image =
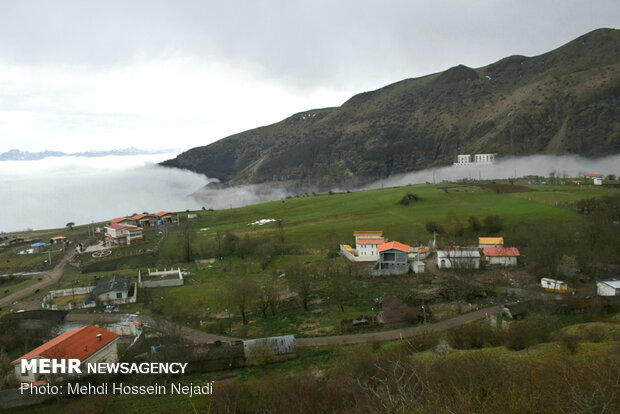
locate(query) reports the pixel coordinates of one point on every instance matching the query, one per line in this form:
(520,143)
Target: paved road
(400,333)
(48,278)
(191,334)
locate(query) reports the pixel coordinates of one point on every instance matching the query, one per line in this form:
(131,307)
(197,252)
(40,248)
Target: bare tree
(240,290)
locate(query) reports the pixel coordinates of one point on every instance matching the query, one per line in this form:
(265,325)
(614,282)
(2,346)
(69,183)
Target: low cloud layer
(509,167)
(51,192)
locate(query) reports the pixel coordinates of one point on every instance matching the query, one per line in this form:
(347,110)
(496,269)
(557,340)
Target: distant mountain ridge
(17,155)
(561,102)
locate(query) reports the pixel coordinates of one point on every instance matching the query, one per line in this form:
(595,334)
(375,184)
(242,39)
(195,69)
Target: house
(146,221)
(490,242)
(124,220)
(113,290)
(553,285)
(88,344)
(479,159)
(122,235)
(58,239)
(368,248)
(167,218)
(598,180)
(458,259)
(504,256)
(366,245)
(393,259)
(608,288)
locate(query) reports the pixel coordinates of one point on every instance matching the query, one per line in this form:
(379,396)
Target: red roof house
(88,343)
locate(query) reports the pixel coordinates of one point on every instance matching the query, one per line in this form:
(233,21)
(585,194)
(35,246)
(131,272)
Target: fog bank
(509,167)
(52,192)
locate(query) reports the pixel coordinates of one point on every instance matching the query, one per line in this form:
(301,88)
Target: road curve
(198,336)
(47,278)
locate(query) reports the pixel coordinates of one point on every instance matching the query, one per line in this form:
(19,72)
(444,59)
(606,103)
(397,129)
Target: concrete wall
(603,289)
(46,302)
(152,280)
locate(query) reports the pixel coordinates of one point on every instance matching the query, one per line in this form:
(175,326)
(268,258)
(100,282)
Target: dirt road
(197,336)
(47,278)
(400,333)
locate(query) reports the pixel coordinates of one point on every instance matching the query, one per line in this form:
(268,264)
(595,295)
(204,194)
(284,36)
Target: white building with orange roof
(367,244)
(87,344)
(117,235)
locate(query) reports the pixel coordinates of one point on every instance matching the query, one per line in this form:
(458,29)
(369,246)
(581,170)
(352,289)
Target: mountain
(17,155)
(562,102)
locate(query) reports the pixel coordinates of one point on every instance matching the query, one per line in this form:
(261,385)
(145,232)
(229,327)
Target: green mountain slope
(562,102)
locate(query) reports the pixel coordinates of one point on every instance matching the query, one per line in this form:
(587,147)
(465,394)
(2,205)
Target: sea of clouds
(54,191)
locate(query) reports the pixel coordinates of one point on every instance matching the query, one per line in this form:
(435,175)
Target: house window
(119,295)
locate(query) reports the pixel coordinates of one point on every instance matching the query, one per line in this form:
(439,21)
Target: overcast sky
(78,75)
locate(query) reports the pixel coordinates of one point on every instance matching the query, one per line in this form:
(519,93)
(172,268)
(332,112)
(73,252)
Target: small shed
(608,288)
(58,239)
(417,266)
(37,247)
(553,285)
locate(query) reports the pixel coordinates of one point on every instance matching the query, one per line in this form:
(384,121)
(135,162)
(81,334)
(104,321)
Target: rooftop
(613,283)
(372,241)
(394,245)
(113,283)
(501,251)
(490,240)
(79,344)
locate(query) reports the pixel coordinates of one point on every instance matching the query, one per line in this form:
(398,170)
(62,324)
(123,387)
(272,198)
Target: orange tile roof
(79,344)
(501,251)
(394,245)
(139,216)
(162,213)
(490,240)
(372,241)
(118,219)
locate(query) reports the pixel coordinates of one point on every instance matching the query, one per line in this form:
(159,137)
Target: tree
(70,225)
(269,295)
(300,280)
(186,240)
(454,227)
(493,224)
(474,224)
(433,227)
(240,291)
(340,285)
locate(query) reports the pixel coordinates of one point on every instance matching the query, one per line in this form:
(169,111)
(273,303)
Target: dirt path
(400,333)
(47,278)
(197,336)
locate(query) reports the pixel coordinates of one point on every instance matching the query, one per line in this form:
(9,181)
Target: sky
(78,75)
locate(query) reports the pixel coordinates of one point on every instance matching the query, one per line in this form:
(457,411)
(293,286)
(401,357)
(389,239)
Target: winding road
(198,336)
(47,278)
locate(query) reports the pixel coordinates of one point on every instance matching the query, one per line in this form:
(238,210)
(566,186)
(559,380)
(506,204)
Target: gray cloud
(353,43)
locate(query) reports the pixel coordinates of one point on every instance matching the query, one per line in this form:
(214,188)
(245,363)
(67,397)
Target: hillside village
(164,286)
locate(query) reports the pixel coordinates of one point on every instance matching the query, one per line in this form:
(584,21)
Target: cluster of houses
(393,258)
(490,249)
(127,231)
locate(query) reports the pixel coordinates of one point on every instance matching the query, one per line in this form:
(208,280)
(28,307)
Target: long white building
(478,159)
